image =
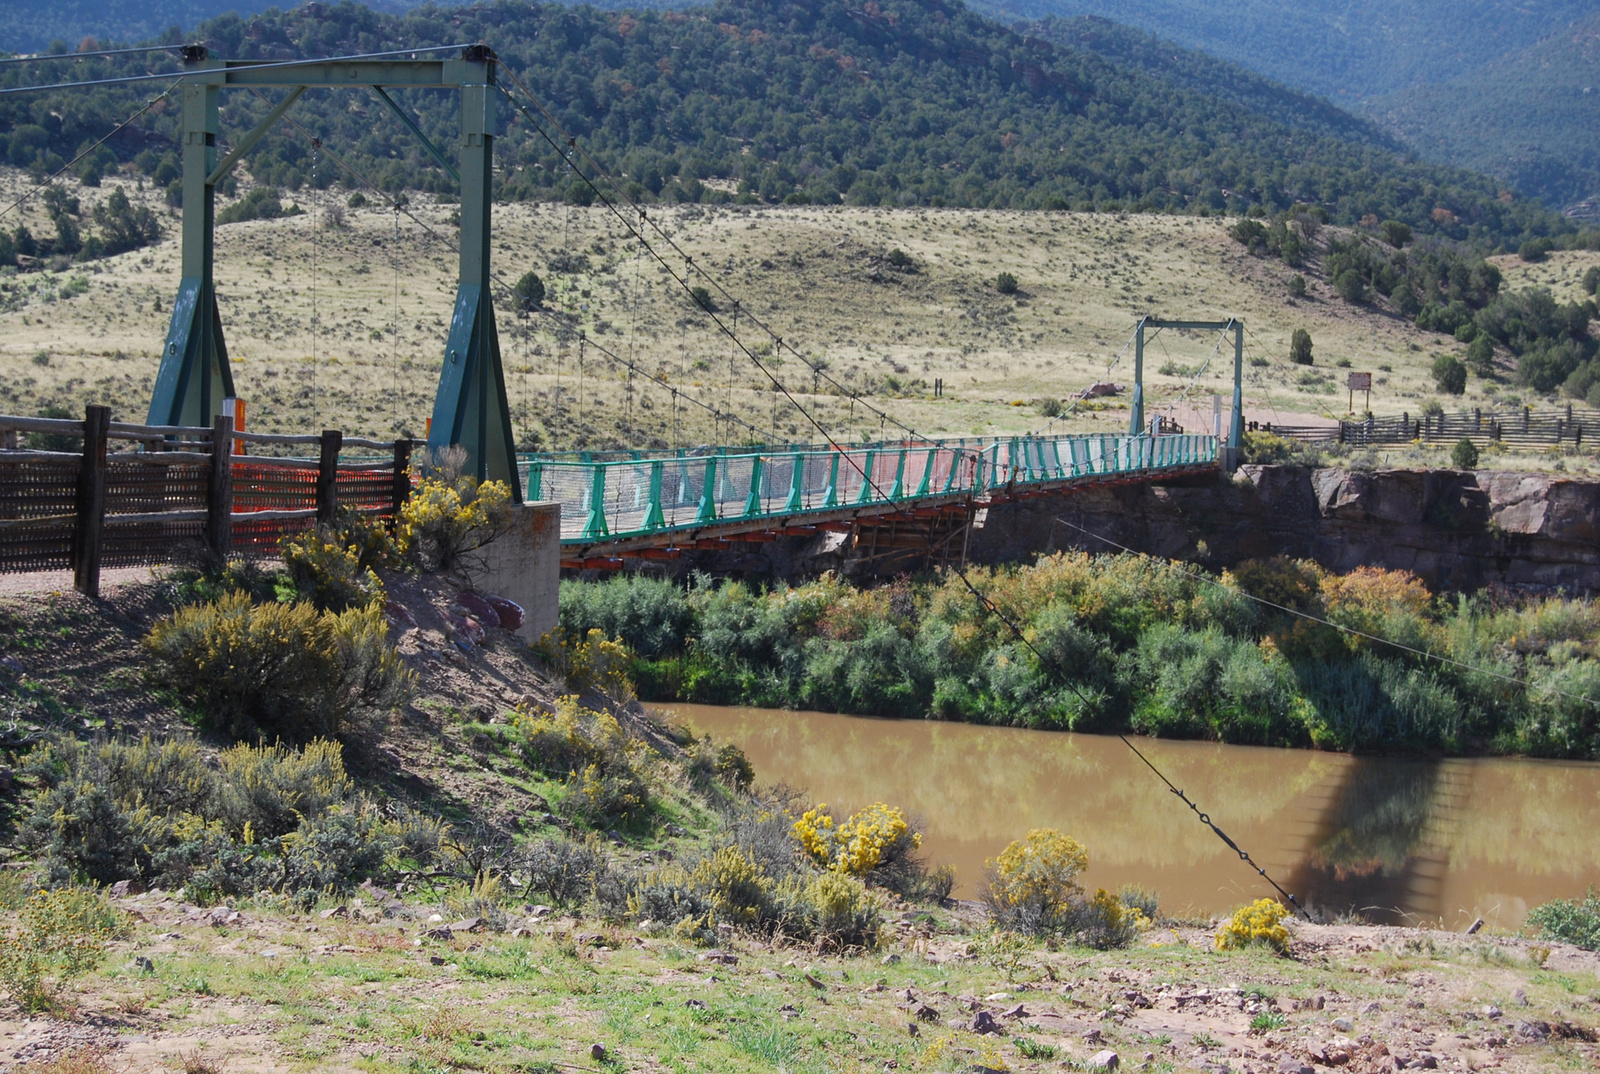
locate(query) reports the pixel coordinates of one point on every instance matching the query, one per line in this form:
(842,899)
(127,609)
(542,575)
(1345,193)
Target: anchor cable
(1205,818)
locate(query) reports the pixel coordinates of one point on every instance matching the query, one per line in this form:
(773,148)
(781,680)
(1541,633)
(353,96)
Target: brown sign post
(1359,382)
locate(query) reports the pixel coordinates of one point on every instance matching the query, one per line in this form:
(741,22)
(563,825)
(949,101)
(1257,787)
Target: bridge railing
(633,497)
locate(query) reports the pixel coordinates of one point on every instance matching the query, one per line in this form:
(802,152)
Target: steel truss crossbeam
(470,406)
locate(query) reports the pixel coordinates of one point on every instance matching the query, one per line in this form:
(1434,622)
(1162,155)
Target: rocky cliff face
(1457,530)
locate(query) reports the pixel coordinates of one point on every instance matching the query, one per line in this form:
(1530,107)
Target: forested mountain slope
(904,102)
(1199,72)
(1348,50)
(1532,119)
(63,24)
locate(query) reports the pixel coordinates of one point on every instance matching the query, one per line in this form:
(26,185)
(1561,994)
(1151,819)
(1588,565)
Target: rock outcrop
(1456,529)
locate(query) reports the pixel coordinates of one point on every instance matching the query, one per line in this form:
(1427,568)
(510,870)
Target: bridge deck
(621,505)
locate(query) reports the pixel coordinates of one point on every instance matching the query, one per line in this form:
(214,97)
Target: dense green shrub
(651,616)
(267,818)
(1120,642)
(1464,456)
(278,670)
(599,761)
(1300,347)
(1574,921)
(1449,375)
(261,203)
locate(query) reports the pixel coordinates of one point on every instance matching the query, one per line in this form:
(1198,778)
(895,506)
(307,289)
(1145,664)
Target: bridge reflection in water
(1436,842)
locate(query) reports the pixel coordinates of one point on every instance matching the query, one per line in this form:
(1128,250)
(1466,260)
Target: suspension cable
(1067,413)
(1187,388)
(681,279)
(277,64)
(399,207)
(49,57)
(59,172)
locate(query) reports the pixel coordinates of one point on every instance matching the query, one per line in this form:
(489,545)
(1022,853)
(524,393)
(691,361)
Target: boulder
(1105,1060)
(477,607)
(509,612)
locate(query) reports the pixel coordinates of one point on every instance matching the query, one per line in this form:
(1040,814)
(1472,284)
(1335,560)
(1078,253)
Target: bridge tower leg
(194,376)
(470,407)
(1136,407)
(1230,454)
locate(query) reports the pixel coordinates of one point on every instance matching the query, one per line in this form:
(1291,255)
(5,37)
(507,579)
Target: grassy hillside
(1343,50)
(819,276)
(1528,119)
(919,102)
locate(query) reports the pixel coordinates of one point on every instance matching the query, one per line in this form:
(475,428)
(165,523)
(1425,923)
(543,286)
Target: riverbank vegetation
(588,886)
(1275,652)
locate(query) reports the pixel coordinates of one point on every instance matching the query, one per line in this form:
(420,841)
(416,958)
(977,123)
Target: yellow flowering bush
(1261,922)
(732,886)
(835,909)
(877,836)
(605,797)
(1105,921)
(59,935)
(328,573)
(278,670)
(447,517)
(814,831)
(588,661)
(1031,883)
(738,887)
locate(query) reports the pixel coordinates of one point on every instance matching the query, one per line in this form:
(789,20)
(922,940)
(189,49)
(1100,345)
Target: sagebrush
(278,669)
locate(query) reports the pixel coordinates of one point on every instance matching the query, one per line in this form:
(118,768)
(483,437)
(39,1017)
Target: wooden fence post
(328,474)
(400,491)
(219,495)
(91,502)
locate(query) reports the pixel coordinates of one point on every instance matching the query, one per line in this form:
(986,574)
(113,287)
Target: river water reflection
(1405,840)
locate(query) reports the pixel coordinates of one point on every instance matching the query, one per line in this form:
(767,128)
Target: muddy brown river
(1405,841)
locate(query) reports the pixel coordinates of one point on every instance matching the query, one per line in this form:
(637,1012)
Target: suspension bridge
(905,495)
(914,492)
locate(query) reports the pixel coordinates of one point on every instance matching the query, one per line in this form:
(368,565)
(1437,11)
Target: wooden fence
(1522,427)
(173,492)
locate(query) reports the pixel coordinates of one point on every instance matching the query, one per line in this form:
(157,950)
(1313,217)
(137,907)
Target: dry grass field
(336,318)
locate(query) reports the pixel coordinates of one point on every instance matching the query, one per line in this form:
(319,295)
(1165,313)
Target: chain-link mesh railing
(630,497)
